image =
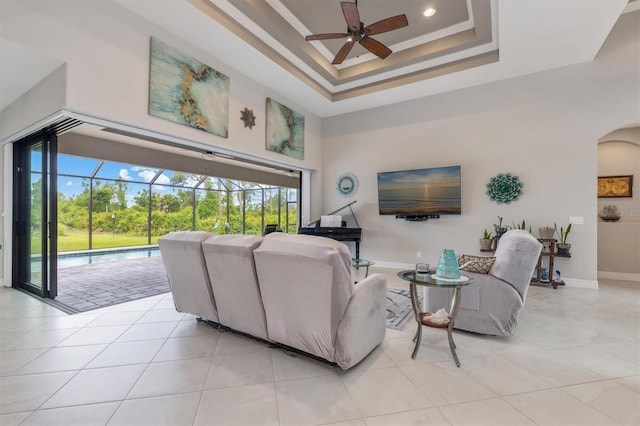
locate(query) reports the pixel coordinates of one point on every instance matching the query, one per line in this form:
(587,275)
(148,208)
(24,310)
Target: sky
(137,177)
(72,186)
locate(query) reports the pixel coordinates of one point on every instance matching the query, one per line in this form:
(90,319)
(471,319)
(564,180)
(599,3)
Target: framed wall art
(615,186)
(186,91)
(285,130)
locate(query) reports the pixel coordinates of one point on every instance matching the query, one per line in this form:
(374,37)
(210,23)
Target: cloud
(69,183)
(163,180)
(124,174)
(146,175)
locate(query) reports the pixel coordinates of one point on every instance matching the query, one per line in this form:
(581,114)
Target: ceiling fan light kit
(429,12)
(357,32)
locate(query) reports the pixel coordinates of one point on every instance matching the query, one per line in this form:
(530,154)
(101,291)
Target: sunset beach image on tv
(420,192)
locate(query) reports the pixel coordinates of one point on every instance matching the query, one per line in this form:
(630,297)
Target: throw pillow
(478,264)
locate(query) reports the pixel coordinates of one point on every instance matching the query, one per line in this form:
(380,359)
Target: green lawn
(74,239)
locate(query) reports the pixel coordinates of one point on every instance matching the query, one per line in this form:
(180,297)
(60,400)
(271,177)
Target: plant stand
(493,246)
(547,256)
(548,253)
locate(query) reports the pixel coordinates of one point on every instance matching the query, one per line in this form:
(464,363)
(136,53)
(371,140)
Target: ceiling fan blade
(375,47)
(343,52)
(351,14)
(327,36)
(388,24)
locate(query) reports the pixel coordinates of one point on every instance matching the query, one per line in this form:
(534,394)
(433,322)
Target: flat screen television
(420,193)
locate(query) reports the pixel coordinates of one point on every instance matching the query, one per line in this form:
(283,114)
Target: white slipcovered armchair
(494,302)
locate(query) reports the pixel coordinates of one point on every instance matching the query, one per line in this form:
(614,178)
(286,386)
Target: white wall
(543,128)
(2,241)
(44,99)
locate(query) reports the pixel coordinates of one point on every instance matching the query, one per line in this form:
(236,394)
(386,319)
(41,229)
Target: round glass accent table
(422,317)
(362,263)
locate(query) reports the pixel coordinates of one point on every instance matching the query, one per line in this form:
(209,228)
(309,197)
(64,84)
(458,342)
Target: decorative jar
(448,265)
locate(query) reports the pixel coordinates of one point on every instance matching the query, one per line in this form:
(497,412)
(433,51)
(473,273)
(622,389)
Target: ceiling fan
(356,31)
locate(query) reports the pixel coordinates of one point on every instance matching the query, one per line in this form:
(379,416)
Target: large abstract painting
(285,130)
(186,91)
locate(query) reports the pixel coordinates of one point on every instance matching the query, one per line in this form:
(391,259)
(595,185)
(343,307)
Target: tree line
(171,208)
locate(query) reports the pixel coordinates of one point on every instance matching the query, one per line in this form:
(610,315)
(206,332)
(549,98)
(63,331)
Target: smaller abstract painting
(285,130)
(615,186)
(186,91)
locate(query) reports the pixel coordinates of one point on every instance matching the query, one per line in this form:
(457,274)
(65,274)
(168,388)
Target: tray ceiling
(466,43)
(459,36)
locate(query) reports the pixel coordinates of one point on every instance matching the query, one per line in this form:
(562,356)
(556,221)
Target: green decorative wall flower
(504,188)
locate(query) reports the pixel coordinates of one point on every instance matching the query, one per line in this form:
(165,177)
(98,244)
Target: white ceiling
(528,36)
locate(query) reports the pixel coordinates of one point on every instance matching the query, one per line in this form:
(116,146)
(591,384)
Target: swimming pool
(86,258)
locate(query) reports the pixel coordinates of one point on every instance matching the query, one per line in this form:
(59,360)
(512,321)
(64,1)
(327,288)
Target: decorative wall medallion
(504,188)
(347,184)
(247,116)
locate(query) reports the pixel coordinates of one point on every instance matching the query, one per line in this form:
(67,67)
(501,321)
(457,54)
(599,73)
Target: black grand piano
(337,233)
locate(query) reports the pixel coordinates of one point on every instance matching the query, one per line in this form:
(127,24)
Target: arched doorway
(619,241)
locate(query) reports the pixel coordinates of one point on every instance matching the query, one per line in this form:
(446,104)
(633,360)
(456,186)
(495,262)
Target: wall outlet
(419,254)
(576,220)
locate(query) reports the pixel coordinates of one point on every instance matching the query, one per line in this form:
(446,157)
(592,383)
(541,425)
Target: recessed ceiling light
(429,11)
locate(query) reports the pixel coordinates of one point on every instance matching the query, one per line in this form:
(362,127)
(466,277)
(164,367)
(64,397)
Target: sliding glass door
(35,188)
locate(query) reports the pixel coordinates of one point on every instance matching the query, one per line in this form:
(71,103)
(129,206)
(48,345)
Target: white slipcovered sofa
(494,302)
(293,290)
(232,273)
(187,273)
(311,302)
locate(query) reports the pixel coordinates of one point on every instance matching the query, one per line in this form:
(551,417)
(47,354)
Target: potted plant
(546,232)
(485,241)
(499,228)
(522,226)
(563,246)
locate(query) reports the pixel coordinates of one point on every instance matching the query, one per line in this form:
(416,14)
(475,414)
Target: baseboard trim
(623,276)
(578,283)
(394,265)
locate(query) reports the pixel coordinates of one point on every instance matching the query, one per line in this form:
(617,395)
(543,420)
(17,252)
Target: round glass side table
(362,263)
(422,317)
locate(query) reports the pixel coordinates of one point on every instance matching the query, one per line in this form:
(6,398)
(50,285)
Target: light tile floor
(574,360)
